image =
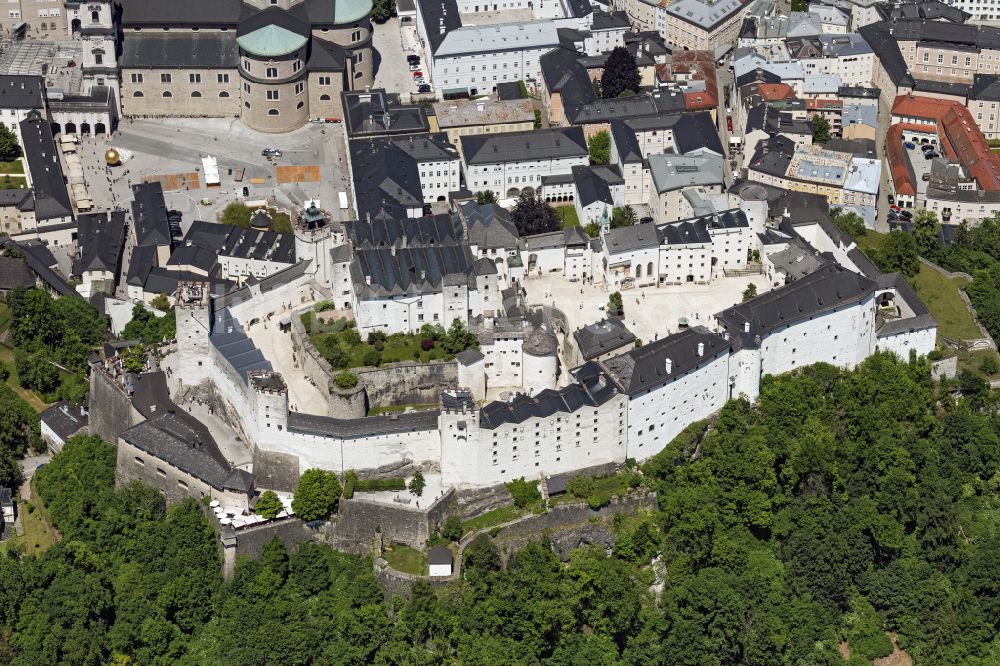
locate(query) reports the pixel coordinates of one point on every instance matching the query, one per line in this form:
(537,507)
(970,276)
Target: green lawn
(941,296)
(17,166)
(504,514)
(38,531)
(938,292)
(406,559)
(972,360)
(568,217)
(396,409)
(611,485)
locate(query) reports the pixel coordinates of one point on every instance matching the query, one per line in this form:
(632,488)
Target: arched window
(138,93)
(273,112)
(272,72)
(223,94)
(246,104)
(167,93)
(300,105)
(196,94)
(95,17)
(649,269)
(324,98)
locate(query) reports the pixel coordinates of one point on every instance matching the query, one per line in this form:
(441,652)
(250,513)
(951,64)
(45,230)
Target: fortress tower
(314,238)
(269,395)
(194,324)
(459,428)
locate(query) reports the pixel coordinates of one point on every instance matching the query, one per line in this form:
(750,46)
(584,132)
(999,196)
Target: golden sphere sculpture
(111,157)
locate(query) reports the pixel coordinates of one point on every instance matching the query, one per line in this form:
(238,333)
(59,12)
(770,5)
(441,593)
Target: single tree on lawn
(622,217)
(925,232)
(600,148)
(10,149)
(237,214)
(621,74)
(532,216)
(269,505)
(485,197)
(821,129)
(899,253)
(316,495)
(417,483)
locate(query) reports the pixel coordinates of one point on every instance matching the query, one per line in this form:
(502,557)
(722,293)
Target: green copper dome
(271,41)
(349,11)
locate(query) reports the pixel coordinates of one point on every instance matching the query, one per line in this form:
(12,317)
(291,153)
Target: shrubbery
(523,492)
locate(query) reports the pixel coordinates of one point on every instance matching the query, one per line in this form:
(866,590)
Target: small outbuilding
(439,561)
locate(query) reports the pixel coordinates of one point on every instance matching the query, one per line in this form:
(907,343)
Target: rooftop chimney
(669,365)
(746,327)
(701,349)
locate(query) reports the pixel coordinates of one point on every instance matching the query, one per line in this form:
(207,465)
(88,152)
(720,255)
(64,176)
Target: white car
(414,66)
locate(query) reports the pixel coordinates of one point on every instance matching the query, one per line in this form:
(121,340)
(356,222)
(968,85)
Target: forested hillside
(796,531)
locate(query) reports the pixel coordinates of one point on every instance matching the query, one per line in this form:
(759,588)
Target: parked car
(412,58)
(418,74)
(906,215)
(930,155)
(895,208)
(908,145)
(424,88)
(926,177)
(892,217)
(926,146)
(331,120)
(271,152)
(729,123)
(891,198)
(414,66)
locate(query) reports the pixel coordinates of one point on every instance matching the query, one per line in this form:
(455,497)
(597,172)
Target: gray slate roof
(170,50)
(590,390)
(524,146)
(64,419)
(410,270)
(101,237)
(365,427)
(51,197)
(644,368)
(489,226)
(21,92)
(15,273)
(830,287)
(149,214)
(602,337)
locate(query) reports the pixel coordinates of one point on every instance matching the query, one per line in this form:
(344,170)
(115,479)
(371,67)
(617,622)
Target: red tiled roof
(961,138)
(774,92)
(902,179)
(819,104)
(701,66)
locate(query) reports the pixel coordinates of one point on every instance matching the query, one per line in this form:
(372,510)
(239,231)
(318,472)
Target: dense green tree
(750,292)
(36,372)
(532,215)
(925,232)
(849,222)
(622,216)
(236,214)
(10,149)
(899,253)
(820,129)
(616,306)
(599,146)
(316,494)
(383,10)
(621,74)
(268,505)
(485,197)
(149,328)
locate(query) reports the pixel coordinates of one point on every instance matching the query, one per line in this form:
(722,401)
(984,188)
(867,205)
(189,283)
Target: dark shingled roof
(563,73)
(385,178)
(149,214)
(830,287)
(365,427)
(378,113)
(21,92)
(593,183)
(645,368)
(383,231)
(235,345)
(409,270)
(15,273)
(602,337)
(143,260)
(509,90)
(174,50)
(101,237)
(523,146)
(180,12)
(438,14)
(489,226)
(439,555)
(64,419)
(169,437)
(591,390)
(51,198)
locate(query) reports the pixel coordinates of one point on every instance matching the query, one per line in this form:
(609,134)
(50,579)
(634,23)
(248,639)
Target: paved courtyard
(177,145)
(392,45)
(650,313)
(276,346)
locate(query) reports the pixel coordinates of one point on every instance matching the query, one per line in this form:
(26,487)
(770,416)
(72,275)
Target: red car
(729,123)
(418,75)
(895,208)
